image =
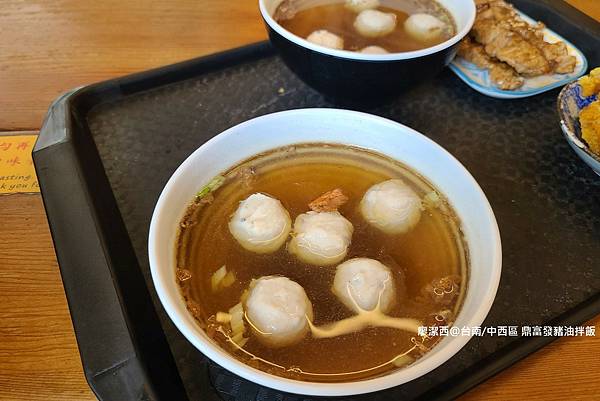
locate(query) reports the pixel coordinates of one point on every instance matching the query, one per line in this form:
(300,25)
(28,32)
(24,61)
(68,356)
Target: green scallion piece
(212,186)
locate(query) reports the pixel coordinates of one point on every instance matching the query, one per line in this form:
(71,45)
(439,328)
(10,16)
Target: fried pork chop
(502,75)
(510,48)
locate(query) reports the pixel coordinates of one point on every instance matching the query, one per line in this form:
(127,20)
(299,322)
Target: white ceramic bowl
(329,126)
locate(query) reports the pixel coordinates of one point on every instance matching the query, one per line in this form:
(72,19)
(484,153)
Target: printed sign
(17,174)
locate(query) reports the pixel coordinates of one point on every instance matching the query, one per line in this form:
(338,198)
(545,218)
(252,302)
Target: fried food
(589,119)
(590,84)
(513,46)
(506,45)
(502,75)
(555,53)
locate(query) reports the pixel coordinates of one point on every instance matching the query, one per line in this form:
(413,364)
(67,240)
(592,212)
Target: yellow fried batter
(509,38)
(590,84)
(589,119)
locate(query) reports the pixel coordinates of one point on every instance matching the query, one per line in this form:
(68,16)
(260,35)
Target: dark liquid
(433,249)
(302,19)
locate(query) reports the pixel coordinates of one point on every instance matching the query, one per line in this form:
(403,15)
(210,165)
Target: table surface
(47,48)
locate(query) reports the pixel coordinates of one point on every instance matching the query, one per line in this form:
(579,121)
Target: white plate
(478,78)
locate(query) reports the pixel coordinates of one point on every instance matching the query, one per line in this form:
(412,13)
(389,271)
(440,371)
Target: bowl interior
(463,12)
(341,127)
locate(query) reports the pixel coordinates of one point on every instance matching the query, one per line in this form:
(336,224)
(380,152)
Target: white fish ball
(277,308)
(424,27)
(374,50)
(392,206)
(361,282)
(321,238)
(260,224)
(325,38)
(361,5)
(375,23)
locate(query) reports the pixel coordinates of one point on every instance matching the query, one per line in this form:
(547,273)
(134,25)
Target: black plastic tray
(106,151)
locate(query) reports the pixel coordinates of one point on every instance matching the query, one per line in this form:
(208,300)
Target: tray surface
(546,200)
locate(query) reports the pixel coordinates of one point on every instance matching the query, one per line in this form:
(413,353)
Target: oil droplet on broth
(420,260)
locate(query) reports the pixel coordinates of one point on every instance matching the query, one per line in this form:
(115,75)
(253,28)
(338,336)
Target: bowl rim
(223,358)
(571,136)
(350,55)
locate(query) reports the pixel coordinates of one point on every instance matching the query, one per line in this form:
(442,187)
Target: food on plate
(590,84)
(495,32)
(502,75)
(589,116)
(339,284)
(368,26)
(510,43)
(505,16)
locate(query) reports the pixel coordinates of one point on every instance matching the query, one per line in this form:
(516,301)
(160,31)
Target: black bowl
(351,75)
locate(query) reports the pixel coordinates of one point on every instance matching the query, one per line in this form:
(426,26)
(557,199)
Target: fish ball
(321,238)
(361,5)
(374,23)
(361,282)
(424,27)
(374,50)
(325,38)
(260,224)
(391,206)
(277,309)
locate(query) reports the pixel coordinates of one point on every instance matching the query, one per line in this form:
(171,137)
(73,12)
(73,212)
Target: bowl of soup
(330,232)
(366,49)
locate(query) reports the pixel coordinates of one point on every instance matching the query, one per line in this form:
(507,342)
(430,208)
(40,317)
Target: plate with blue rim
(478,78)
(570,103)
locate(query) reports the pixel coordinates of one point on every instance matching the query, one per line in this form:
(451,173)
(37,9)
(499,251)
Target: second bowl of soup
(324,232)
(366,48)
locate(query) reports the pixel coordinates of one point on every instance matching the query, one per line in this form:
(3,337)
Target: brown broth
(297,175)
(302,18)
